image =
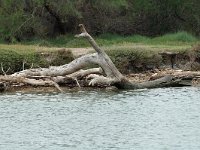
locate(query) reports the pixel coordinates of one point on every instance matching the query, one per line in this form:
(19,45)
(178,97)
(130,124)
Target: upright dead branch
(105,62)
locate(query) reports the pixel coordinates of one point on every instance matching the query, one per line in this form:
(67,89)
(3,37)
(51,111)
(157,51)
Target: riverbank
(129,57)
(131,54)
(149,60)
(192,78)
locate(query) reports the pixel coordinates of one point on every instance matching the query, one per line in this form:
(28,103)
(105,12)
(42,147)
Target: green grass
(60,41)
(176,37)
(179,38)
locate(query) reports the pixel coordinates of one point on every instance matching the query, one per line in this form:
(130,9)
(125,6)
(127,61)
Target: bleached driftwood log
(107,74)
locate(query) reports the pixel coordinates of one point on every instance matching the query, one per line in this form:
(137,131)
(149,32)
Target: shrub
(14,61)
(134,60)
(10,59)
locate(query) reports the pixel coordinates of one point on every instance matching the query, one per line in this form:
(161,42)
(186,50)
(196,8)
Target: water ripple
(166,118)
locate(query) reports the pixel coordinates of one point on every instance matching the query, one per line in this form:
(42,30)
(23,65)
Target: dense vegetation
(27,19)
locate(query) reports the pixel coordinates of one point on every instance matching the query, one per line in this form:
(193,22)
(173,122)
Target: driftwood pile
(107,74)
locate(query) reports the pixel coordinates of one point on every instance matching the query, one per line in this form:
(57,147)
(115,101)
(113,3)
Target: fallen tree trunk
(107,74)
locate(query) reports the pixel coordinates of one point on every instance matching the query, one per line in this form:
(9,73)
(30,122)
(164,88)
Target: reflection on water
(145,119)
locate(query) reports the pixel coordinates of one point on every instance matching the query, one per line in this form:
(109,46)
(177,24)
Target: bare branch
(23,65)
(4,72)
(77,82)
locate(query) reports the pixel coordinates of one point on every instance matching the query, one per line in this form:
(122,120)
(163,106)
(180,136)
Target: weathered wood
(66,69)
(33,82)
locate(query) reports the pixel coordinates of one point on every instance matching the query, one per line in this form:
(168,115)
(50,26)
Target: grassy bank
(179,38)
(18,57)
(127,52)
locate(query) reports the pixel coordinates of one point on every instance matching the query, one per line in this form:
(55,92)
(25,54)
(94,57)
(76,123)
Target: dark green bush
(10,59)
(135,60)
(14,61)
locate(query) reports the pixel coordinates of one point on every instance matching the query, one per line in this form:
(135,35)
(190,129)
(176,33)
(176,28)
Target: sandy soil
(80,51)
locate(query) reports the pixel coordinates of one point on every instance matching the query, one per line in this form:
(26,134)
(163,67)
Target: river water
(167,119)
